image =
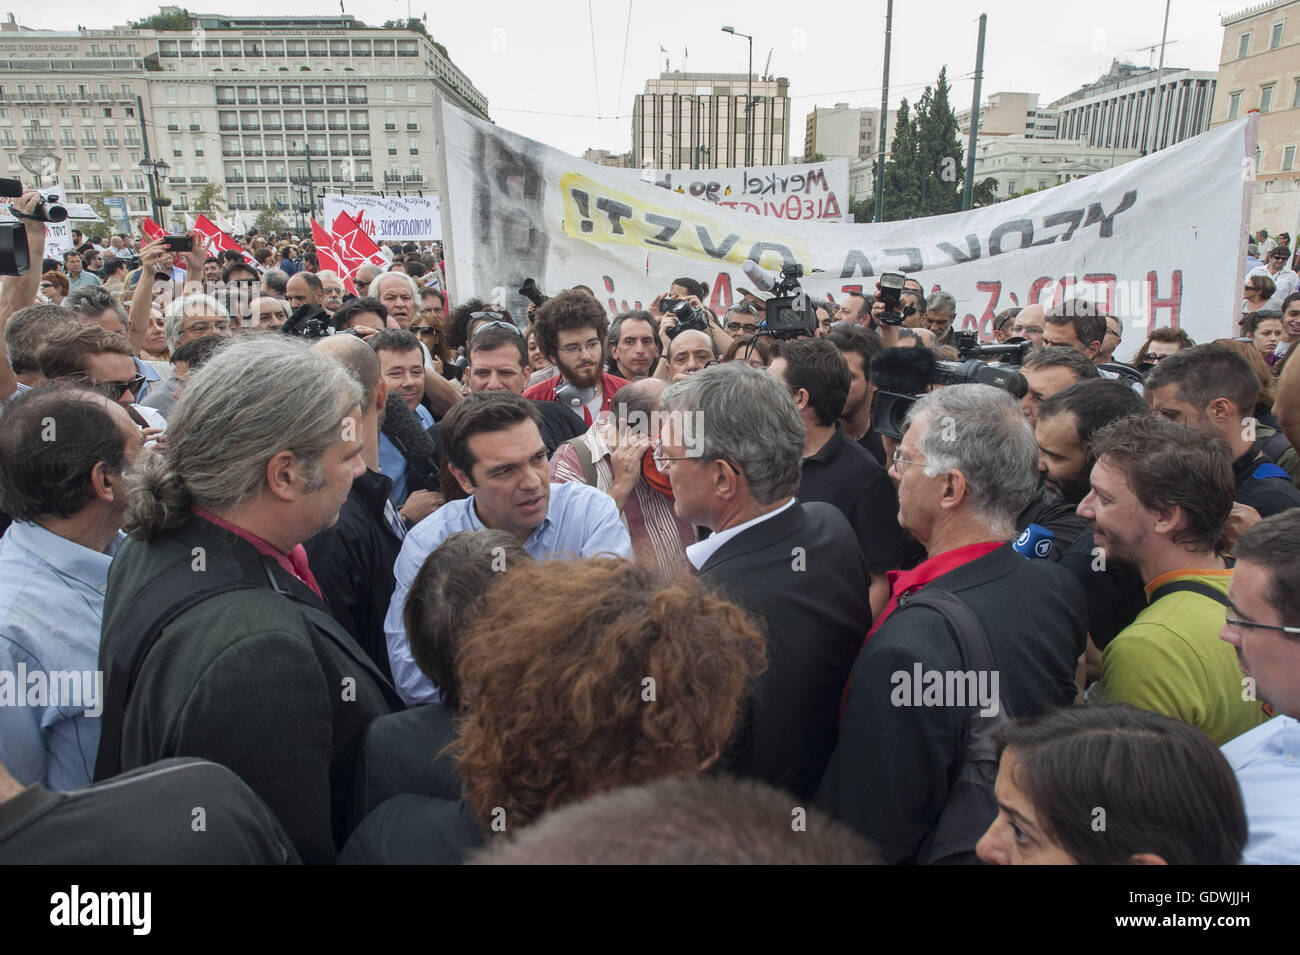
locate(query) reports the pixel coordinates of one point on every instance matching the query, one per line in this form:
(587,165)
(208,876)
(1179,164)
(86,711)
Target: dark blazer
(896,762)
(801,573)
(415,830)
(402,753)
(263,681)
(353,564)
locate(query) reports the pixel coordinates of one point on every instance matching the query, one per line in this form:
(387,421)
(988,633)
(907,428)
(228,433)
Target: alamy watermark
(957,688)
(65,689)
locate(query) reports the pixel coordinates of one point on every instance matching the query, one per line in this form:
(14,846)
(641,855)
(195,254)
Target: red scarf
(654,477)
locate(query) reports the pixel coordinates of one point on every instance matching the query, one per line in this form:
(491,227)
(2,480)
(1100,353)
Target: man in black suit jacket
(795,566)
(967,466)
(217,643)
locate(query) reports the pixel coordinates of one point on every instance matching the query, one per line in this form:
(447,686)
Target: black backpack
(971,806)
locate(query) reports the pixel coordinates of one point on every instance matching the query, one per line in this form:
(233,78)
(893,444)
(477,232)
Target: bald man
(1030,324)
(689,352)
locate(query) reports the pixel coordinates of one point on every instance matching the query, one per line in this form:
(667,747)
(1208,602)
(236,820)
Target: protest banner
(352,247)
(817,191)
(389,218)
(1156,241)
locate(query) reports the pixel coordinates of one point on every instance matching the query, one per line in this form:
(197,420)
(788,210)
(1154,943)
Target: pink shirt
(294,562)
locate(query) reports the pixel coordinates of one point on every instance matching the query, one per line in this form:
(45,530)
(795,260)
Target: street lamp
(155,171)
(749,98)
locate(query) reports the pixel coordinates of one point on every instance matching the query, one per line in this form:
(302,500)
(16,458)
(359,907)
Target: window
(1275,36)
(92,160)
(1288,159)
(1234,104)
(1243,46)
(411,92)
(171,94)
(1295,97)
(1265,98)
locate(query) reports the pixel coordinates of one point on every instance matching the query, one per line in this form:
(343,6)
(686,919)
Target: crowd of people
(384,579)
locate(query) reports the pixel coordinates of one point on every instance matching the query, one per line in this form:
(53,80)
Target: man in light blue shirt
(1263,626)
(78,275)
(63,454)
(495,451)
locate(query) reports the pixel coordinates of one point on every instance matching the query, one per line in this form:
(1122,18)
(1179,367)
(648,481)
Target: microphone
(758,275)
(1035,542)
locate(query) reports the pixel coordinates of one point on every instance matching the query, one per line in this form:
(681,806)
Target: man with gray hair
(731,442)
(194,316)
(940,312)
(262,450)
(967,466)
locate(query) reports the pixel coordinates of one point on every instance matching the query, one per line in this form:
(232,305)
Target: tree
(177,20)
(902,183)
(270,220)
(862,209)
(210,200)
(96,202)
(985,193)
(939,166)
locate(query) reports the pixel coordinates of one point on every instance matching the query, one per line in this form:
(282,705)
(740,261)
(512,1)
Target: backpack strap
(133,635)
(971,806)
(1191,586)
(1276,445)
(1267,469)
(584,459)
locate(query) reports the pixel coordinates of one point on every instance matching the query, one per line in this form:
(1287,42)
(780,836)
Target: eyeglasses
(114,390)
(748,328)
(428,330)
(1020,329)
(594,345)
(509,326)
(662,458)
(1237,624)
(899,460)
(203,328)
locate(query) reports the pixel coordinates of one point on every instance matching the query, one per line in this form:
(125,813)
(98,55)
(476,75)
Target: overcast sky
(536,64)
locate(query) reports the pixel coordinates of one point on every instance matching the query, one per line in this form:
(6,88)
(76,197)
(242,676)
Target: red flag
(152,229)
(215,241)
(353,248)
(326,258)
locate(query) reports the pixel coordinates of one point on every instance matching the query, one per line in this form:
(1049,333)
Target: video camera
(905,374)
(15,258)
(309,321)
(789,313)
(531,292)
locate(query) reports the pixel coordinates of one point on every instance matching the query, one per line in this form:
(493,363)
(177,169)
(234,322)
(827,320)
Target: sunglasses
(488,314)
(507,325)
(113,390)
(426,329)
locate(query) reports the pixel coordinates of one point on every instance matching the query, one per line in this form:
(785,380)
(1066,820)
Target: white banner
(389,218)
(58,235)
(817,191)
(1154,241)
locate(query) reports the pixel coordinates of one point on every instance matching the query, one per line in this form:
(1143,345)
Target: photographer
(19,291)
(670,308)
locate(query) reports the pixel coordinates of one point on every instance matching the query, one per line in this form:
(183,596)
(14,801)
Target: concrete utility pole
(1160,75)
(968,194)
(884,118)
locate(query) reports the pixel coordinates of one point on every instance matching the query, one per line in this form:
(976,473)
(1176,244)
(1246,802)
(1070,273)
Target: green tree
(210,200)
(180,20)
(862,209)
(985,193)
(902,185)
(939,166)
(270,220)
(96,202)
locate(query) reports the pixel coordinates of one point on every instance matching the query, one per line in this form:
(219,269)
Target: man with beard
(571,328)
(1161,495)
(1065,425)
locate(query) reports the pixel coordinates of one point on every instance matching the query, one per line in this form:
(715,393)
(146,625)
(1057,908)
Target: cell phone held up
(178,243)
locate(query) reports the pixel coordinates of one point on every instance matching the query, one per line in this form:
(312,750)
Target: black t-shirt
(1263,485)
(173,812)
(1116,593)
(1056,516)
(846,476)
(871,441)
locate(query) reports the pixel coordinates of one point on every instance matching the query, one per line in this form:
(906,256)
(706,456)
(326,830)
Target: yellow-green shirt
(1170,660)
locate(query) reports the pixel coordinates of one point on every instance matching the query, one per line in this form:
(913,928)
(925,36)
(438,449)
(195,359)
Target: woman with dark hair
(575,678)
(756,350)
(1264,329)
(1112,785)
(1161,343)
